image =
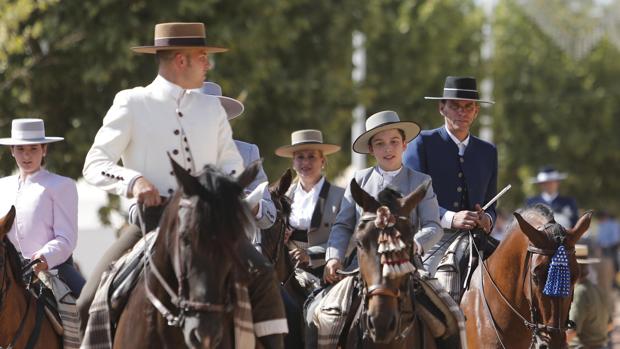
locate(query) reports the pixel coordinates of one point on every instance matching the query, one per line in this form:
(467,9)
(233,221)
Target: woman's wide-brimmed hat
(306,140)
(381,121)
(461,88)
(232,106)
(548,174)
(28,131)
(174,36)
(582,255)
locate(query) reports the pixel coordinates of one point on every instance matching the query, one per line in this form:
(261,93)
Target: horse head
(204,223)
(551,271)
(272,239)
(384,239)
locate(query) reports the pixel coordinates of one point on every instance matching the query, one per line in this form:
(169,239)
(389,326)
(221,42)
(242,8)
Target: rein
(532,324)
(183,306)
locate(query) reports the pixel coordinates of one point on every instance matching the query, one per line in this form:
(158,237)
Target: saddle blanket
(67,309)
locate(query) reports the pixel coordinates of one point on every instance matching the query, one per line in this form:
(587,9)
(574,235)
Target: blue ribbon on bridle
(558,278)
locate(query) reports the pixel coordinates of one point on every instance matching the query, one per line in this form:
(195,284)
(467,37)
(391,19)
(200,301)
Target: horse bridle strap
(183,305)
(381,290)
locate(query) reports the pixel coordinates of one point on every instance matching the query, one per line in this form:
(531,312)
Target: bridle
(183,307)
(369,291)
(533,324)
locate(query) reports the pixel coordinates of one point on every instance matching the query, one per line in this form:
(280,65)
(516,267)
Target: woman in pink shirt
(46,204)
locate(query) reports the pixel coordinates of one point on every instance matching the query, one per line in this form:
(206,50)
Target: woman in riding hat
(315,200)
(46,204)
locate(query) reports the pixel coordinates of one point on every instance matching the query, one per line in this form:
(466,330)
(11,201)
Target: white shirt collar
(173,90)
(388,176)
(31,177)
(315,189)
(465,142)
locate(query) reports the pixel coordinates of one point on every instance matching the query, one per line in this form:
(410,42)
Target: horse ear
(188,183)
(412,200)
(535,236)
(362,198)
(6,222)
(580,228)
(284,182)
(247,176)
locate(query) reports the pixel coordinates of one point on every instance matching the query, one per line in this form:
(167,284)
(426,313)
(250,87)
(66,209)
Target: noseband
(183,306)
(534,324)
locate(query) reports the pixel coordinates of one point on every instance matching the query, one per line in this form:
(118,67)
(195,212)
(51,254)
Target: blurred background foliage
(290,63)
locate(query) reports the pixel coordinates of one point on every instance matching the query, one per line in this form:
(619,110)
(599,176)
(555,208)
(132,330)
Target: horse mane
(554,231)
(14,261)
(286,204)
(223,214)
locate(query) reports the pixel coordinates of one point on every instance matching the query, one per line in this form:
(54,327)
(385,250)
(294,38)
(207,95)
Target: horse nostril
(195,338)
(543,346)
(392,326)
(371,323)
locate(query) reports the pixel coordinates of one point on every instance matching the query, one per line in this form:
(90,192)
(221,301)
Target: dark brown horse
(384,248)
(272,239)
(505,305)
(18,307)
(197,255)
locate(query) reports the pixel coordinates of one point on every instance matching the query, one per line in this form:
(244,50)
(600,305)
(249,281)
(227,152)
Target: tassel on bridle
(558,278)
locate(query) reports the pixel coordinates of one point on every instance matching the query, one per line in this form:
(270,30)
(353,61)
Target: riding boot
(293,318)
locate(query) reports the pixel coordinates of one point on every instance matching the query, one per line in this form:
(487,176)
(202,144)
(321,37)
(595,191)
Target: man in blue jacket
(463,167)
(564,207)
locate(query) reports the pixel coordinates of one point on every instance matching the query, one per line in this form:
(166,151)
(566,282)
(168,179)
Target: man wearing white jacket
(170,116)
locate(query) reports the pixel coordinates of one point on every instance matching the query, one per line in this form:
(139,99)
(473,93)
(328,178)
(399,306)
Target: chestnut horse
(384,238)
(19,309)
(196,254)
(505,305)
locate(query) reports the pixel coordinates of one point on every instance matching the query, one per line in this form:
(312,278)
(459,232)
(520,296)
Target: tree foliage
(289,61)
(553,109)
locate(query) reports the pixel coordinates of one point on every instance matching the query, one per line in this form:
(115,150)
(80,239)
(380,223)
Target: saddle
(129,267)
(58,304)
(461,259)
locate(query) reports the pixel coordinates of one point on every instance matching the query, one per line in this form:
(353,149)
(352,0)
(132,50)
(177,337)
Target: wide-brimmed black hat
(461,88)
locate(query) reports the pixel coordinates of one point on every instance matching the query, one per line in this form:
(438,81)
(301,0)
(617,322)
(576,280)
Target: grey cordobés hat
(232,107)
(381,121)
(306,140)
(179,35)
(28,131)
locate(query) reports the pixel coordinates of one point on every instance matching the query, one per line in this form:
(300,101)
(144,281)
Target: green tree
(553,109)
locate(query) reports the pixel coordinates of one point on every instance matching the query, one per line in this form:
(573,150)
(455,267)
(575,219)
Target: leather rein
(532,324)
(183,306)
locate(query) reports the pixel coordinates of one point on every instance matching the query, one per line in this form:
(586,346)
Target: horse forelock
(389,197)
(541,217)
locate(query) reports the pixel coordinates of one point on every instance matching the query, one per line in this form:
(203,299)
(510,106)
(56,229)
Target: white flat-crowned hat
(28,131)
(581,253)
(548,174)
(381,121)
(306,140)
(232,106)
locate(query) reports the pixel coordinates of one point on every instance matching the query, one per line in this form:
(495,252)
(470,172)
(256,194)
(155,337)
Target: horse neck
(162,259)
(15,301)
(507,266)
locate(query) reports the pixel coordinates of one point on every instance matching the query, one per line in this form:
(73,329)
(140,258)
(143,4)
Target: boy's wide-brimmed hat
(381,121)
(306,140)
(548,174)
(461,88)
(232,106)
(174,36)
(582,255)
(28,131)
